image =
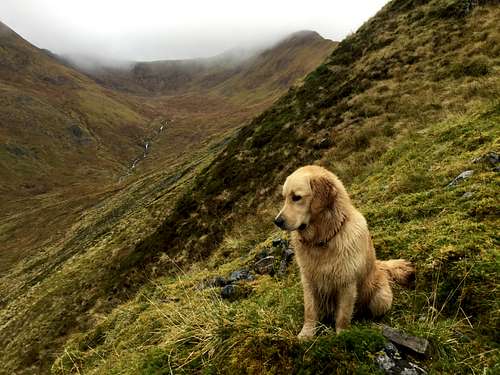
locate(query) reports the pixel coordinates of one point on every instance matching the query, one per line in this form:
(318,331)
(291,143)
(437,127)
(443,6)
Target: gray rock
(390,362)
(265,266)
(287,255)
(283,267)
(460,177)
(242,274)
(229,292)
(417,344)
(491,158)
(467,195)
(217,281)
(286,258)
(233,292)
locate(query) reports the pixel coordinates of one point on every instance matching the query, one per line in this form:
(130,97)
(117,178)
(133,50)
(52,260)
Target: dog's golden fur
(334,251)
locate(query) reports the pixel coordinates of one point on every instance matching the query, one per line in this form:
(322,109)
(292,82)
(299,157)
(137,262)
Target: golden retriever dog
(338,267)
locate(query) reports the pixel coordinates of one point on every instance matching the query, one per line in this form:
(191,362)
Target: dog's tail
(399,271)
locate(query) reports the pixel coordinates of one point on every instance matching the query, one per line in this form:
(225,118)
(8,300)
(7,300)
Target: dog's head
(307,192)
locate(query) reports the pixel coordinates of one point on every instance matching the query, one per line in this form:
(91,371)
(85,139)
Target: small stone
(233,292)
(265,266)
(390,362)
(467,194)
(287,255)
(286,258)
(417,344)
(242,274)
(219,281)
(461,176)
(229,291)
(491,157)
(283,267)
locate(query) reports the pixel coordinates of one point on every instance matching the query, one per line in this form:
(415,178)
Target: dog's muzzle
(279,222)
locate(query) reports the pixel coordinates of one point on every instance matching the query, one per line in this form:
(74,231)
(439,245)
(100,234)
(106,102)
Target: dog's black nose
(279,221)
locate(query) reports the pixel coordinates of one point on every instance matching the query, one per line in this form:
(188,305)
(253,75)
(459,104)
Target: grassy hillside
(173,325)
(373,87)
(62,137)
(53,119)
(398,110)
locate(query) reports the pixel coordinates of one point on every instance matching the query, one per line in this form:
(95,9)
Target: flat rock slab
(417,344)
(462,176)
(265,266)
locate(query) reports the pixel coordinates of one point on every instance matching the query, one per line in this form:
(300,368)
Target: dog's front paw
(306,333)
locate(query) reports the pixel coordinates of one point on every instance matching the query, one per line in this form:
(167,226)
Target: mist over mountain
(276,64)
(155,30)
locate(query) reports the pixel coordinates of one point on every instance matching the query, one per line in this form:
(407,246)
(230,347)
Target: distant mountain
(57,126)
(61,122)
(231,73)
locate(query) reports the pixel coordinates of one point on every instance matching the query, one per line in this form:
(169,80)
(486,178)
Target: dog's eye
(296,198)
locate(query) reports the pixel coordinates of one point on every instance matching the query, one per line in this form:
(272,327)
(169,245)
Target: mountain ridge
(162,77)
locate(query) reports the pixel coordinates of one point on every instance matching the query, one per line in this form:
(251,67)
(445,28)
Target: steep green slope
(449,232)
(383,112)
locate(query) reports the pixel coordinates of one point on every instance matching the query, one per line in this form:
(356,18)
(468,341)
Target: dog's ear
(323,193)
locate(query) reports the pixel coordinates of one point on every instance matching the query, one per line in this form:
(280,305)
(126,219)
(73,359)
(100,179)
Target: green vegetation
(172,325)
(398,110)
(72,209)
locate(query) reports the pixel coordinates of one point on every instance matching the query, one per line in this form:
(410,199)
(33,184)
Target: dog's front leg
(346,298)
(310,312)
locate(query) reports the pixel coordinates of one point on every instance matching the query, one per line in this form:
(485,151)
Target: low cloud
(152,30)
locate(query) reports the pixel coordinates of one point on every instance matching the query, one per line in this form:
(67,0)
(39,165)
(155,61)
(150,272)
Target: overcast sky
(155,29)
